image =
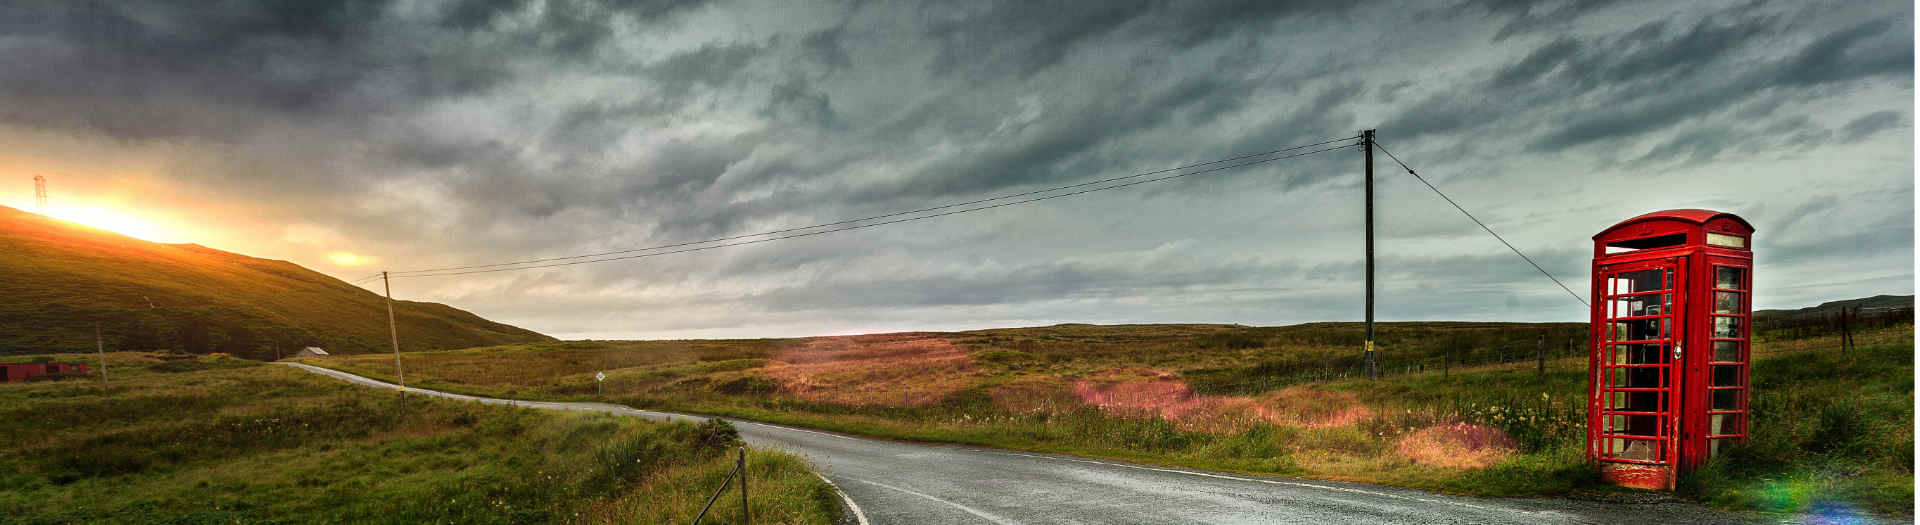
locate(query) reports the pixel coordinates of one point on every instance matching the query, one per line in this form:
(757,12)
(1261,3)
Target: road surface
(894,482)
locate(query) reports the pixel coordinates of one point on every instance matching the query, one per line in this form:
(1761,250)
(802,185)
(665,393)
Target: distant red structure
(10,372)
(1671,312)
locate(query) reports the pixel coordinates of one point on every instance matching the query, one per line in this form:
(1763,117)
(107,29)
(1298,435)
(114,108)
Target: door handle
(1676,351)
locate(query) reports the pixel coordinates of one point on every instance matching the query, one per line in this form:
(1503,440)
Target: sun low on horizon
(125,222)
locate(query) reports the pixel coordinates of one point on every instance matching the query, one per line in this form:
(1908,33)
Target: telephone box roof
(1692,215)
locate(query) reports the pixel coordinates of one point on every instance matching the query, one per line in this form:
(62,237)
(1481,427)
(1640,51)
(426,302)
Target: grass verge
(1490,428)
(225,440)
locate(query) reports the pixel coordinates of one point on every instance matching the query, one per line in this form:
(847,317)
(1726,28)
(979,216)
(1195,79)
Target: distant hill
(1866,306)
(58,280)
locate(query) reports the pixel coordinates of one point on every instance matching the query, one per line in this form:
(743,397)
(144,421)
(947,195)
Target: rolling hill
(59,280)
(1864,305)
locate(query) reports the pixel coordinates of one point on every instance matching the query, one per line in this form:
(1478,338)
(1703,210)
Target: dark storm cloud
(475,131)
(1869,49)
(196,70)
(1526,16)
(1872,123)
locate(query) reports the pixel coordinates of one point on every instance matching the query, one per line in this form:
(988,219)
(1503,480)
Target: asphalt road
(893,482)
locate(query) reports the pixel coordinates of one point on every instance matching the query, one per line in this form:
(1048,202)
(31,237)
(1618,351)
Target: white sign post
(601,379)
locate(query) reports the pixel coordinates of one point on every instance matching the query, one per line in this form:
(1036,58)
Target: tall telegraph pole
(395,333)
(1366,144)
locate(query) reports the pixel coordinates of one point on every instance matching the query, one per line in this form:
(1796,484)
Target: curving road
(917,483)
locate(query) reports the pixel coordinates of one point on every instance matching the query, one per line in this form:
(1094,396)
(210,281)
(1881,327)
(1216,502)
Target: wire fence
(1511,352)
(739,471)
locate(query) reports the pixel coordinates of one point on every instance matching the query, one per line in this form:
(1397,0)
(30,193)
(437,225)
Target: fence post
(742,467)
(1540,354)
(739,469)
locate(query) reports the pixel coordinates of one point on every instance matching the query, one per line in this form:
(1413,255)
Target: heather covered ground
(1474,408)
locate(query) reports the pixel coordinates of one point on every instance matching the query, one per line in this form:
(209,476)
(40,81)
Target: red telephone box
(1667,367)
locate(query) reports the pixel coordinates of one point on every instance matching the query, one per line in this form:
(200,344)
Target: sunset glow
(116,221)
(348,258)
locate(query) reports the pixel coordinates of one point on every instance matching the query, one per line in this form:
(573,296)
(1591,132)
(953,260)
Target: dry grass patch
(1156,393)
(1217,415)
(891,369)
(1309,406)
(1035,395)
(1125,392)
(1457,445)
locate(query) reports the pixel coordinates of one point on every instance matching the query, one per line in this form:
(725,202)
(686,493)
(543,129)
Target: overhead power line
(1483,226)
(848,225)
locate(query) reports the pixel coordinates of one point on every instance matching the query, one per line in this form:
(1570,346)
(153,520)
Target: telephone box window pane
(1726,400)
(1730,241)
(1721,424)
(1726,302)
(1638,329)
(1726,375)
(1640,305)
(1637,354)
(1645,354)
(1726,350)
(1640,281)
(1726,327)
(1729,277)
(1634,378)
(1639,449)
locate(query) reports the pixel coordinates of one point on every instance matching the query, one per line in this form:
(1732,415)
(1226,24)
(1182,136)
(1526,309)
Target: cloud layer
(438,133)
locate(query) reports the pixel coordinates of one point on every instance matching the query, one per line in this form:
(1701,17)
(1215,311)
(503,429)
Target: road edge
(860,517)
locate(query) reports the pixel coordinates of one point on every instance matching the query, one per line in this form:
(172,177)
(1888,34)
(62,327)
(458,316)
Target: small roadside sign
(600,376)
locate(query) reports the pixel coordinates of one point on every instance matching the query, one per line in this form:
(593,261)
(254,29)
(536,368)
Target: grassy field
(64,280)
(1462,409)
(222,440)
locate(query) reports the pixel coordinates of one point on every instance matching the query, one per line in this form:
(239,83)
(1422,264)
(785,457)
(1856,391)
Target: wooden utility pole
(1366,144)
(101,345)
(398,373)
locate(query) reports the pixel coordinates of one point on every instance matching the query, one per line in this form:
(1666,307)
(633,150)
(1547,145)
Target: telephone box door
(1635,434)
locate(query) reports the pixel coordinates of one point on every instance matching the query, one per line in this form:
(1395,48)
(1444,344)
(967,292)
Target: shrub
(57,376)
(1842,430)
(747,385)
(1009,358)
(1233,341)
(715,434)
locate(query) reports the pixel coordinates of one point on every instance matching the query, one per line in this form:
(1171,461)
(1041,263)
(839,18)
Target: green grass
(63,280)
(1799,385)
(227,440)
(1833,430)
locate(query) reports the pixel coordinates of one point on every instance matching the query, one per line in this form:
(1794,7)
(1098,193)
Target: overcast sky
(420,134)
